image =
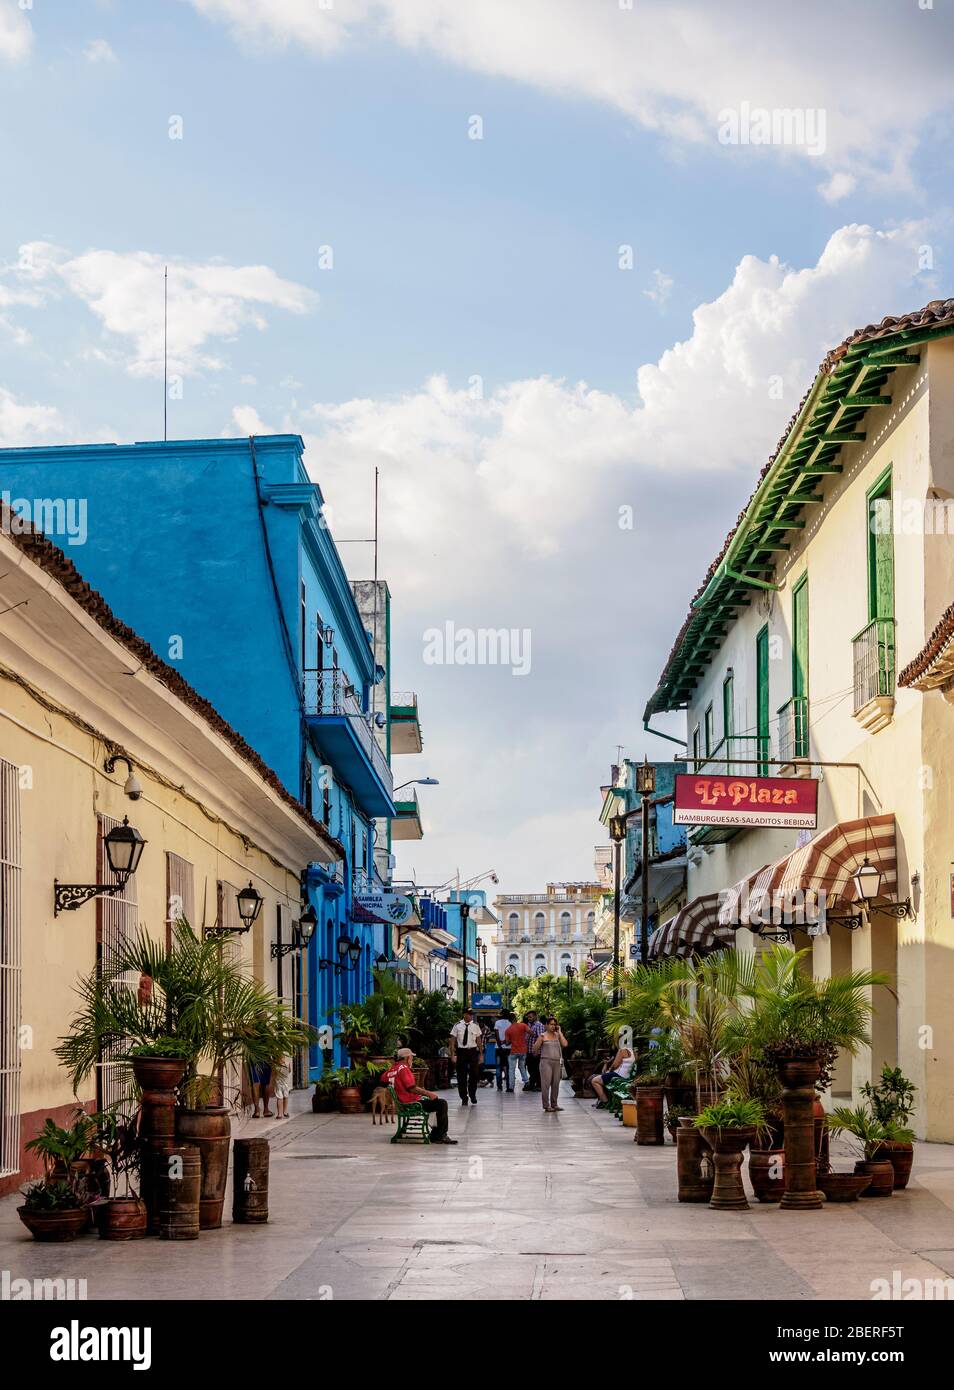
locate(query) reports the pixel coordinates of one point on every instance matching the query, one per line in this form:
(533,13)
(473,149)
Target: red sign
(781,803)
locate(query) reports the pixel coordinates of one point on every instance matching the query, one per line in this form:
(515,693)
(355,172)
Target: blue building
(216,551)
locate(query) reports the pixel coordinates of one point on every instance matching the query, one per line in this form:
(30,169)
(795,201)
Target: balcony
(405,724)
(343,734)
(793,731)
(873,660)
(407,824)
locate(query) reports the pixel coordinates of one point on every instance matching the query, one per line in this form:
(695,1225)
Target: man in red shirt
(401,1077)
(516,1037)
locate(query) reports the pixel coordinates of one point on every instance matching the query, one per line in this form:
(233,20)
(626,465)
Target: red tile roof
(936,647)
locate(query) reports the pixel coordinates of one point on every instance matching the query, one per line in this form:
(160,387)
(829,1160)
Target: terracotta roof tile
(941,638)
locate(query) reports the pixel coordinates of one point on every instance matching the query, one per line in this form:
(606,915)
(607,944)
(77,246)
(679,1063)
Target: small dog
(382,1104)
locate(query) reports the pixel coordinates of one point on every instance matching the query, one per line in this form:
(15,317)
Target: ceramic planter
(881,1172)
(728,1146)
(649,1114)
(65,1224)
(581,1069)
(901,1156)
(843,1187)
(349,1100)
(798,1075)
(210,1130)
(121,1218)
(695,1170)
(767,1174)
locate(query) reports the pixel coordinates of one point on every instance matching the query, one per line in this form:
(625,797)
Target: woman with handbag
(549,1048)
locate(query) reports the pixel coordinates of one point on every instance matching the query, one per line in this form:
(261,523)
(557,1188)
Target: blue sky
(456,258)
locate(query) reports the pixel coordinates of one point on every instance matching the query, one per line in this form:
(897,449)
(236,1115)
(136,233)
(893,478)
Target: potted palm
(202,1003)
(386,1012)
(797,1025)
(728,1126)
(429,1022)
(122,1216)
(66,1152)
(872,1135)
(53,1211)
(584,1022)
(892,1102)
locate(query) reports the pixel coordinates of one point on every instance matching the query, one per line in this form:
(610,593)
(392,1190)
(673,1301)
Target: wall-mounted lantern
(303,931)
(124,846)
(349,955)
(249,906)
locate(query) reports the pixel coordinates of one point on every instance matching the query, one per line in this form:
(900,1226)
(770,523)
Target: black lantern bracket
(67,897)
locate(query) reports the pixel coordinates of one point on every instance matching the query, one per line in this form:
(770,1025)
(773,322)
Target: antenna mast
(165,355)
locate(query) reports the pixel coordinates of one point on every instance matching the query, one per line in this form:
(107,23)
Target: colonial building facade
(543,933)
(96,728)
(818,646)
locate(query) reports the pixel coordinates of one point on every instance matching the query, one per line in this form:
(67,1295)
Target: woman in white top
(622,1069)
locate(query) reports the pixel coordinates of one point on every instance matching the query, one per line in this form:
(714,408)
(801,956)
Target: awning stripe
(693,931)
(831,858)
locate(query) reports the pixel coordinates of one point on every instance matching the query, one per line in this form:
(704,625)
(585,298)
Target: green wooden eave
(833,414)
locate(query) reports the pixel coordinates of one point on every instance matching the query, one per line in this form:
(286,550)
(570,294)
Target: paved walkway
(528,1206)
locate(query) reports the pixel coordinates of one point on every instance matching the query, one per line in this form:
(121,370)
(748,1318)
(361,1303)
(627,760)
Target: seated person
(621,1069)
(401,1077)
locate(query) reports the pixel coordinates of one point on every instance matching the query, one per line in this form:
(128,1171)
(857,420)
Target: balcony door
(762,699)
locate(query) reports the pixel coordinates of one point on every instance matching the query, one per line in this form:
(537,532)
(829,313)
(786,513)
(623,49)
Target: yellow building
(837,577)
(543,933)
(87,712)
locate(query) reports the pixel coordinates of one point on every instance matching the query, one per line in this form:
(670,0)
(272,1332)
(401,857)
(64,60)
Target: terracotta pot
(581,1069)
(210,1130)
(649,1115)
(728,1146)
(58,1226)
(180,1192)
(250,1182)
(695,1169)
(158,1073)
(901,1156)
(349,1100)
(881,1172)
(767,1173)
(843,1187)
(440,1071)
(122,1218)
(323,1102)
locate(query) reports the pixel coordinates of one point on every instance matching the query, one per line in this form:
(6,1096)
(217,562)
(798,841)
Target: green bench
(616,1092)
(412,1121)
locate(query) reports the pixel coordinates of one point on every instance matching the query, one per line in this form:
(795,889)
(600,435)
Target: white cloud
(209,301)
(503,511)
(840,185)
(22,425)
(670,68)
(661,290)
(16,33)
(99,51)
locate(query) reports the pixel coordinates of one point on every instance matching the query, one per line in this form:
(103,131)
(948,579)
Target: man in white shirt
(503,1051)
(465,1050)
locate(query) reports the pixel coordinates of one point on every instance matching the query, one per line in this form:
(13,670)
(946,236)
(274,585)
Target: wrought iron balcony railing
(793,729)
(873,652)
(329,694)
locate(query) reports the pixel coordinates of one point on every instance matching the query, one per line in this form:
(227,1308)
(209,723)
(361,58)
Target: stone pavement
(528,1206)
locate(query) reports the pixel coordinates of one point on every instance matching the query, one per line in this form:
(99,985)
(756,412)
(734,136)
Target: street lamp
(570,972)
(302,933)
(417,782)
(483,952)
(124,846)
(617,830)
(646,786)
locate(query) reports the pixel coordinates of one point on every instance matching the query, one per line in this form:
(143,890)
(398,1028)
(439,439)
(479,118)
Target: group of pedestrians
(530,1045)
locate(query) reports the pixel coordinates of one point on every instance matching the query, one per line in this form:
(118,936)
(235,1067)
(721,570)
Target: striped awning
(694,930)
(829,860)
(778,892)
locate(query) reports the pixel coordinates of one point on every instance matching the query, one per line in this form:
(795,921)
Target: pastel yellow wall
(63,789)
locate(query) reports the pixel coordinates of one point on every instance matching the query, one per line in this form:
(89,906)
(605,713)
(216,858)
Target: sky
(534,262)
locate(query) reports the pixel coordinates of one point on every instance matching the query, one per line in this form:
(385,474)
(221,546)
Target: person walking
(516,1036)
(503,1052)
(549,1048)
(465,1041)
(532,1020)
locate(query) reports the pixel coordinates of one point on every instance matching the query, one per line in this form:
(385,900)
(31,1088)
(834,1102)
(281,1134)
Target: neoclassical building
(543,933)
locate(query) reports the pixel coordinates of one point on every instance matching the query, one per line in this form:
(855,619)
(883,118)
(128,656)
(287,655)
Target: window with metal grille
(117,922)
(10,976)
(180,893)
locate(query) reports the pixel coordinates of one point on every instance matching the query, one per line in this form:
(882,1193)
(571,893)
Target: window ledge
(877,714)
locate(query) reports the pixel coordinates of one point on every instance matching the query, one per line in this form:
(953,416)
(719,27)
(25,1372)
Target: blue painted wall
(214,551)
